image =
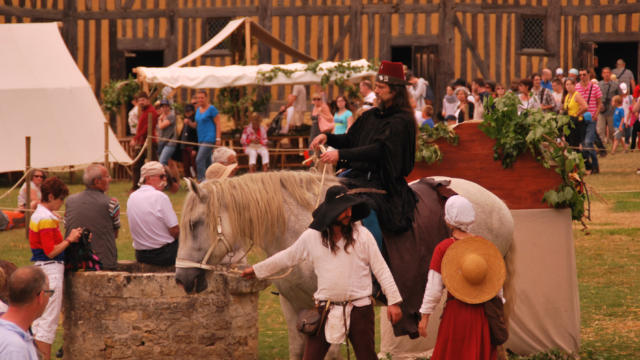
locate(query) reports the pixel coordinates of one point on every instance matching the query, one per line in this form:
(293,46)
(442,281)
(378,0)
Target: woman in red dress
(464,331)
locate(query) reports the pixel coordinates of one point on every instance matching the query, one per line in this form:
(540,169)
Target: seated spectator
(94,210)
(29,295)
(37,177)
(217,171)
(47,249)
(254,141)
(152,221)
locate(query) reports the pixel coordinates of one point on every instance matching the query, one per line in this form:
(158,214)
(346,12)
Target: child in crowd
(450,103)
(426,116)
(618,124)
(254,141)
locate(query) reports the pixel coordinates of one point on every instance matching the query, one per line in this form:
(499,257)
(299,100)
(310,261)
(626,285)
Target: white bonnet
(458,212)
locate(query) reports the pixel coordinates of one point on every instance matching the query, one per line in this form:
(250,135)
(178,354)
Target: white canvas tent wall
(44,95)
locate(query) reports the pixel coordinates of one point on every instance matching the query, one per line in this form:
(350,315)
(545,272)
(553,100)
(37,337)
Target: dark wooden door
(425,65)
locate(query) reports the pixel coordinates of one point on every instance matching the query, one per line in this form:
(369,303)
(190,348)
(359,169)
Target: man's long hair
(345,230)
(400,98)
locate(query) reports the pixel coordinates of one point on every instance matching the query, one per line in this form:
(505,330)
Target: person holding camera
(95,210)
(47,249)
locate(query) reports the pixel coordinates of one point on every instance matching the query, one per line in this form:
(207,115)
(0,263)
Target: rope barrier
(270,149)
(17,183)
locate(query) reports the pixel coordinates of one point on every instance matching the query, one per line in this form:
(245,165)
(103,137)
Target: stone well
(145,315)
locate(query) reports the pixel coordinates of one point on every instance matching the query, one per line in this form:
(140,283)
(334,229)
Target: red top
(438,254)
(143,120)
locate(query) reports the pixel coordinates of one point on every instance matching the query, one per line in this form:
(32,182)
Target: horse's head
(202,240)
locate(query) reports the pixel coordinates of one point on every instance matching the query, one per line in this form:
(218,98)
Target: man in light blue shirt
(28,297)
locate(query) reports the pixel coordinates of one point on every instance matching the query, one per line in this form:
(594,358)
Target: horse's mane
(255,202)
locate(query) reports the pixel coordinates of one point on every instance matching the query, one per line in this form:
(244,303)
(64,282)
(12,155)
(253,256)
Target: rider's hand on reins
(317,141)
(330,157)
(248,273)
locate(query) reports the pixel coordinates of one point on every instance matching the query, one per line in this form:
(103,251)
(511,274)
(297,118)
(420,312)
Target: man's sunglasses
(49,292)
(39,176)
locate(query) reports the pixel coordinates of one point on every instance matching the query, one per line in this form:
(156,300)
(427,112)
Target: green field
(608,260)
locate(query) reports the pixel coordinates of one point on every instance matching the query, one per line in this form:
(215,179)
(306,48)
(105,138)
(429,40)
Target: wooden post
(149,135)
(106,145)
(247,41)
(27,168)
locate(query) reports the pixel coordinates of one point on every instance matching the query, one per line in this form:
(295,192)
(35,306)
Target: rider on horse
(378,151)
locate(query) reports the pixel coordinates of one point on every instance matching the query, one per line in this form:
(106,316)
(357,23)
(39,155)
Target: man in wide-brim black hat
(343,254)
(379,150)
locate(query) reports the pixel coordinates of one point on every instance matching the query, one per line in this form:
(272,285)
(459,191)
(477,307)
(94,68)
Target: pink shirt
(249,135)
(592,102)
(325,119)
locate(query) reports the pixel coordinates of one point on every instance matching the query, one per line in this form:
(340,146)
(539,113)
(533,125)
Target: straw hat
(473,270)
(217,171)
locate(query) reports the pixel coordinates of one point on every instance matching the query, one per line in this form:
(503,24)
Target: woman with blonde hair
(254,141)
(321,118)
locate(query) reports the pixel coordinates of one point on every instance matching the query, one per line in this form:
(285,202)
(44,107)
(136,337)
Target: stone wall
(129,315)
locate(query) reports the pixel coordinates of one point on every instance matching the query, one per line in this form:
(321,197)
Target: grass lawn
(608,260)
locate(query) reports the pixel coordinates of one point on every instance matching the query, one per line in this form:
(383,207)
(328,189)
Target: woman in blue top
(343,118)
(208,126)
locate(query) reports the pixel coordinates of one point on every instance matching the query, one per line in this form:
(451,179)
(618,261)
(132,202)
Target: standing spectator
(500,91)
(36,177)
(546,79)
(368,96)
(208,132)
(296,107)
(618,124)
(627,106)
(609,89)
(426,116)
(465,108)
(133,116)
(450,103)
(94,210)
(480,93)
(573,74)
(29,294)
(574,106)
(527,100)
(152,221)
(189,134)
(419,90)
(593,97)
(254,141)
(560,74)
(624,75)
(343,118)
(557,94)
(146,110)
(47,249)
(464,330)
(167,130)
(542,93)
(321,118)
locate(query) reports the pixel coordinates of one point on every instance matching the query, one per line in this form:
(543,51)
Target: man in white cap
(152,221)
(573,74)
(560,73)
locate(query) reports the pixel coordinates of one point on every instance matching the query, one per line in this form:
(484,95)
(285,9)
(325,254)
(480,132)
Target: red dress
(464,331)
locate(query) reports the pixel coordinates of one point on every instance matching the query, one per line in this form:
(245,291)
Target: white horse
(270,211)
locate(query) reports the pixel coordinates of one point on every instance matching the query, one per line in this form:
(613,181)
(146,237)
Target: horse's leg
(296,339)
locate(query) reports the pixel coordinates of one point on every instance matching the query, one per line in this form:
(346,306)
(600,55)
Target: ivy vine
(426,148)
(117,93)
(239,102)
(539,133)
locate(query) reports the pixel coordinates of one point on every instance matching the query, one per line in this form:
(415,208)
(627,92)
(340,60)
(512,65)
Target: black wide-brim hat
(336,201)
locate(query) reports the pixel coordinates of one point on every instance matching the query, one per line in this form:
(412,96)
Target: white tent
(213,77)
(44,95)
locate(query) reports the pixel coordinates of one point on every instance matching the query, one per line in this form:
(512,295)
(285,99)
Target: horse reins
(220,238)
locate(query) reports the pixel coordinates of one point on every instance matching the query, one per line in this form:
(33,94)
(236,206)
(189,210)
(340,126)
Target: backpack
(80,257)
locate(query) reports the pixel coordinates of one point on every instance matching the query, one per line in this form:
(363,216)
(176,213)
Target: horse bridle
(220,238)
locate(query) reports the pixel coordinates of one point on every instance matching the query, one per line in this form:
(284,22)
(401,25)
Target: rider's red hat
(391,73)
